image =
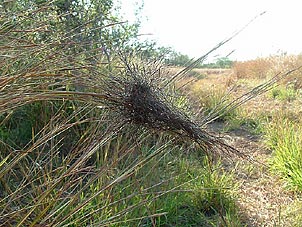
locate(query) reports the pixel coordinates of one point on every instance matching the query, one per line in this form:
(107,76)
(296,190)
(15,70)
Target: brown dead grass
(263,68)
(258,68)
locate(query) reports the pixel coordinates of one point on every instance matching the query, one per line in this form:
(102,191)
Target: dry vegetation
(267,129)
(263,68)
(93,135)
(99,137)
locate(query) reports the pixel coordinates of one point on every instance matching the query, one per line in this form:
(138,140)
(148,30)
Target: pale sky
(195,26)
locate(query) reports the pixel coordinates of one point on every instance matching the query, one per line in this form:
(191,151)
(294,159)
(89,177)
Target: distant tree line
(219,63)
(171,57)
(179,59)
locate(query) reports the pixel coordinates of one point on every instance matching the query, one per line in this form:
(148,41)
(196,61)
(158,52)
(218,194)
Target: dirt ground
(263,199)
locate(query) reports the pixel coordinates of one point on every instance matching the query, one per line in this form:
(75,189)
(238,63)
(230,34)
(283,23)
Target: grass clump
(284,137)
(242,120)
(294,213)
(213,100)
(208,197)
(283,93)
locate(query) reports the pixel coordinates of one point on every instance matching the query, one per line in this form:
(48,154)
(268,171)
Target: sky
(194,27)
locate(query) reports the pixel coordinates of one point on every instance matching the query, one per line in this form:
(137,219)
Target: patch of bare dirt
(262,196)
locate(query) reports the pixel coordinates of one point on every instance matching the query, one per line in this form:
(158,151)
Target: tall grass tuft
(284,138)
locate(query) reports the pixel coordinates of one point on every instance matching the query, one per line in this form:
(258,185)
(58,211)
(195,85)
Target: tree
(223,62)
(178,59)
(91,21)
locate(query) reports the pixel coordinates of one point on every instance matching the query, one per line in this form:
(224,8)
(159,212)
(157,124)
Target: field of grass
(96,137)
(267,129)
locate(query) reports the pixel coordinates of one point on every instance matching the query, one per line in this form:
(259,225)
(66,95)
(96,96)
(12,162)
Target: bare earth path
(262,198)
